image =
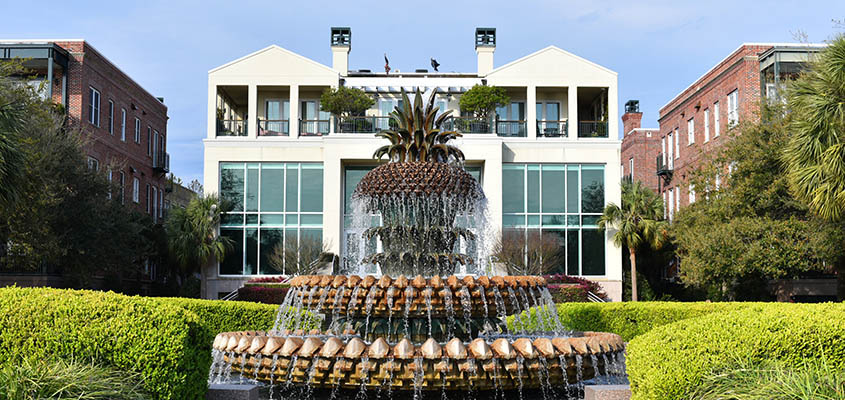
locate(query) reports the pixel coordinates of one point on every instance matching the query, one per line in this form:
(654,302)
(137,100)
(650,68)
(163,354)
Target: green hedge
(167,341)
(670,361)
(628,320)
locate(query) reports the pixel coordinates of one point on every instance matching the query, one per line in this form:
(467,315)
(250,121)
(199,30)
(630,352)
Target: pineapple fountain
(418,330)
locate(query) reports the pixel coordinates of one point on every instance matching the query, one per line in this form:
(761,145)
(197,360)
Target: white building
(291,168)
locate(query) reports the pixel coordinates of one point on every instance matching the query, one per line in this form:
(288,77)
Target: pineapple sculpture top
(419,193)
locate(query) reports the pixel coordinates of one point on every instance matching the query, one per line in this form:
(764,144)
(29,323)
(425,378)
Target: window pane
(553,184)
(272,187)
(312,189)
(572,195)
(311,220)
(273,110)
(252,187)
(592,189)
(251,252)
(272,219)
(513,220)
(352,177)
(552,111)
(513,189)
(232,264)
(270,238)
(292,188)
(475,171)
(572,252)
(593,252)
(232,184)
(560,257)
(533,188)
(554,220)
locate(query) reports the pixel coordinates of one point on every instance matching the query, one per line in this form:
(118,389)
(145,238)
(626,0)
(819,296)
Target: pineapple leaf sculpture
(418,133)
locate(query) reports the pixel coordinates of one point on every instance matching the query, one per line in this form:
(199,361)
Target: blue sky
(657,47)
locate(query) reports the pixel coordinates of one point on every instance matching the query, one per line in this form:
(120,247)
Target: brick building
(640,147)
(127,125)
(696,122)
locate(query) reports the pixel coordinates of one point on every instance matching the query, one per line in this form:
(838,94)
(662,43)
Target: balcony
(231,127)
(161,162)
(362,124)
(592,129)
(510,128)
(273,127)
(314,127)
(466,125)
(547,128)
(664,169)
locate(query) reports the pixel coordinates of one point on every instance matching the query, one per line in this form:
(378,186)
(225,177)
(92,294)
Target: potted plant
(481,101)
(345,102)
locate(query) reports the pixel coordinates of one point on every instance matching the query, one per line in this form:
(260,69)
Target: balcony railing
(592,129)
(664,168)
(161,161)
(508,128)
(467,125)
(548,128)
(363,124)
(231,127)
(273,127)
(313,127)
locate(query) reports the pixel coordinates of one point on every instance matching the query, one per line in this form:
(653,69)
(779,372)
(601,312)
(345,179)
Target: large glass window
(565,200)
(275,207)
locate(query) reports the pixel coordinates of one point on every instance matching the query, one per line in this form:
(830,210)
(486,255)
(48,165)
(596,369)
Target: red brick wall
(643,145)
(88,68)
(740,71)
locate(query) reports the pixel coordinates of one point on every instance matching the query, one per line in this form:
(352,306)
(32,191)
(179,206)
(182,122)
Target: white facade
(255,96)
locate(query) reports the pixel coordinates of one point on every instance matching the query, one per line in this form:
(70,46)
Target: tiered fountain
(418,329)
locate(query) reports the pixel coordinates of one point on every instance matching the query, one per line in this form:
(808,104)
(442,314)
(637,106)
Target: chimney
(632,119)
(485,45)
(341,42)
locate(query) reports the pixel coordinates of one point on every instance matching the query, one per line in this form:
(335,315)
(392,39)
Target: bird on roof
(386,64)
(434,64)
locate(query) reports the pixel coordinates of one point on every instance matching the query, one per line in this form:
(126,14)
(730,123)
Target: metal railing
(231,127)
(161,161)
(592,129)
(549,128)
(594,298)
(664,168)
(273,127)
(508,128)
(363,124)
(467,125)
(314,127)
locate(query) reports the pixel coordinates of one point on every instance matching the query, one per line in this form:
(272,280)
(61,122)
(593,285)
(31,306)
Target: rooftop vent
(485,37)
(632,106)
(365,71)
(341,36)
(421,70)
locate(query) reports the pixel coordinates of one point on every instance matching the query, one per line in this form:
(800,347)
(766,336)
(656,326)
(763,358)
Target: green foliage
(15,103)
(417,136)
(43,379)
(166,341)
(345,101)
(482,100)
(815,151)
(628,320)
(751,229)
(812,379)
(192,234)
(672,361)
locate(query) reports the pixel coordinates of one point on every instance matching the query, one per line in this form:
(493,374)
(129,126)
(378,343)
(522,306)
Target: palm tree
(418,135)
(639,222)
(192,234)
(815,154)
(14,101)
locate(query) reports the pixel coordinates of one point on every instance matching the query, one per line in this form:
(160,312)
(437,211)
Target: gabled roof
(274,48)
(550,49)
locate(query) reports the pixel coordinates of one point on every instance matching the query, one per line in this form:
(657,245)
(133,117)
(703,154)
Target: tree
(15,102)
(528,253)
(638,222)
(345,101)
(815,154)
(192,235)
(303,258)
(482,100)
(735,239)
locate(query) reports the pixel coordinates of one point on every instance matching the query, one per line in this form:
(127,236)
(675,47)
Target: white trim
(273,47)
(543,50)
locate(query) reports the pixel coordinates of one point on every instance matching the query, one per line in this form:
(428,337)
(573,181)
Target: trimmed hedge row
(629,319)
(167,341)
(670,361)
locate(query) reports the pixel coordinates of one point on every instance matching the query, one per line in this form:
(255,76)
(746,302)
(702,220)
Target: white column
(572,111)
(531,112)
(333,202)
(211,110)
(613,113)
(252,111)
(294,111)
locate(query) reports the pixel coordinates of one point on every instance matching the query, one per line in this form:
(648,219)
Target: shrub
(568,293)
(345,101)
(166,341)
(482,100)
(628,320)
(672,361)
(43,379)
(586,284)
(263,293)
